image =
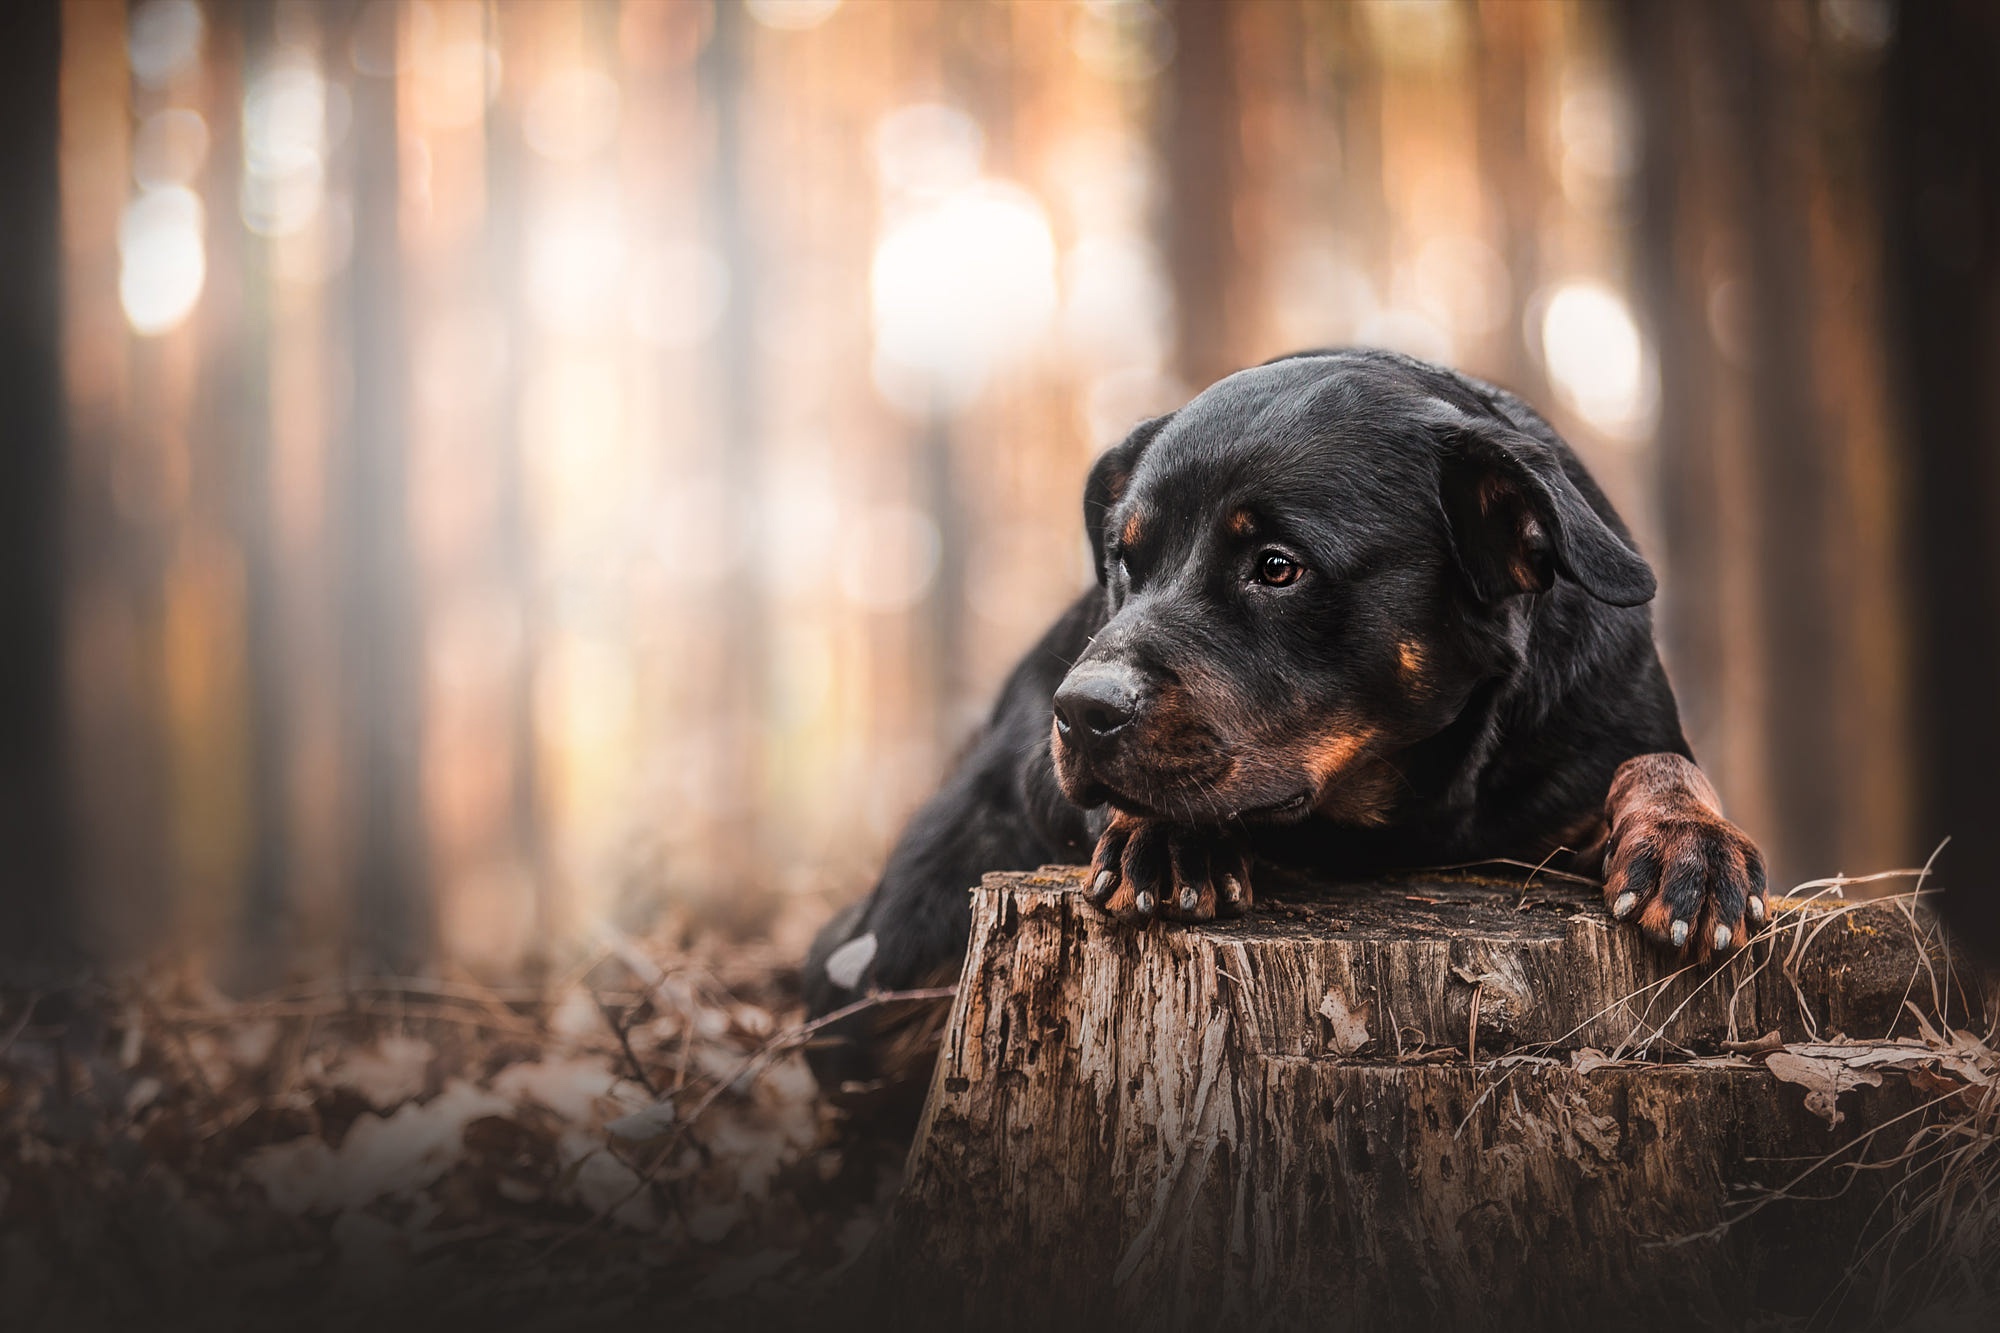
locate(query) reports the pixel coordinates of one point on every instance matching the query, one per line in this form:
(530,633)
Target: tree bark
(1273,1122)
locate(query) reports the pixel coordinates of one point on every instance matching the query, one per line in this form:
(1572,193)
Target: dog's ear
(1518,519)
(1107,484)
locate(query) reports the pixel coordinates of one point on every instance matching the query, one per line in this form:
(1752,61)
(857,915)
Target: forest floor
(635,1142)
(639,1140)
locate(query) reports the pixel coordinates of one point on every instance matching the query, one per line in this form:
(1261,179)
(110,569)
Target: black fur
(1438,520)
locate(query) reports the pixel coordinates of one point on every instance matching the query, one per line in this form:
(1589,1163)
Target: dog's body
(1354,612)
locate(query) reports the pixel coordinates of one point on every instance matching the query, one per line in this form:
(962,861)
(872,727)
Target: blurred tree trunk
(381,663)
(507,250)
(267,906)
(741,690)
(35,899)
(1201,141)
(1516,177)
(1778,614)
(1941,200)
(240,405)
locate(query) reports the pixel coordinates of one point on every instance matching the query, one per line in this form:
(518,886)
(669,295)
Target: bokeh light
(290,120)
(791,15)
(576,263)
(959,287)
(927,150)
(1597,361)
(162,261)
(163,40)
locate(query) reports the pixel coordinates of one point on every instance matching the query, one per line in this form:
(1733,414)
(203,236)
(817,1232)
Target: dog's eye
(1275,569)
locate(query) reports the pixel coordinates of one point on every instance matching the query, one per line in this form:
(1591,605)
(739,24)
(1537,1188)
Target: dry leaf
(1763,1045)
(1350,1028)
(570,1087)
(394,1071)
(1824,1079)
(1588,1058)
(644,1126)
(397,1154)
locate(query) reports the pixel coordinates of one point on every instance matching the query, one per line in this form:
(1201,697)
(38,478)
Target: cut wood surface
(1273,1122)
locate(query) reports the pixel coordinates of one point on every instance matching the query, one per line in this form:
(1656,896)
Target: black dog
(1356,612)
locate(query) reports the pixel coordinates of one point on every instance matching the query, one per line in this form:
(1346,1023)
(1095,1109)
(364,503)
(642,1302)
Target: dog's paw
(1677,869)
(1145,869)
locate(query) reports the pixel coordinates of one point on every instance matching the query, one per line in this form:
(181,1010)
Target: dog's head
(1307,569)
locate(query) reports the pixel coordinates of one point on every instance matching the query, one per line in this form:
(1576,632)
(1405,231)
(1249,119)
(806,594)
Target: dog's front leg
(1146,868)
(1673,865)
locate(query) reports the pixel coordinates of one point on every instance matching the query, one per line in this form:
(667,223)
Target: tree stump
(1274,1122)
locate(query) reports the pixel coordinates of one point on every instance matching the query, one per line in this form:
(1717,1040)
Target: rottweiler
(1353,612)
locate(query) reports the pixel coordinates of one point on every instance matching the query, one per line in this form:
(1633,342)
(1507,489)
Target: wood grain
(1271,1122)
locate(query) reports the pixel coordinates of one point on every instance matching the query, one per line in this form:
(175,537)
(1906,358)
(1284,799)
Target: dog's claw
(1754,909)
(1679,934)
(1623,907)
(1724,936)
(1148,870)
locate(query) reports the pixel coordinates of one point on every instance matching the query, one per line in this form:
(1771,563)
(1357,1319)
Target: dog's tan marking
(1351,786)
(1326,756)
(1363,796)
(1134,530)
(1242,523)
(1410,658)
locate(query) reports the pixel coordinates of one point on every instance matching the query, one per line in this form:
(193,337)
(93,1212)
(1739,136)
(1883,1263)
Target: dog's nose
(1095,702)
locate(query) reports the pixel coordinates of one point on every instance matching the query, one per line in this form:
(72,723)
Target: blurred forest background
(481,468)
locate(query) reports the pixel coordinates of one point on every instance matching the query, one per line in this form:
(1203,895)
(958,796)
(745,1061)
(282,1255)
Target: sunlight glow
(1597,361)
(163,39)
(925,150)
(289,118)
(576,265)
(791,15)
(960,287)
(162,260)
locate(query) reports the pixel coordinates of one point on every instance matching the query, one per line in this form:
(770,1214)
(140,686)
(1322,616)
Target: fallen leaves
(1828,1069)
(1823,1077)
(645,1136)
(387,1074)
